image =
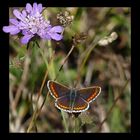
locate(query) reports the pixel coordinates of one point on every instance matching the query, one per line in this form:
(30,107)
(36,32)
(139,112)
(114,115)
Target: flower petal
(17,14)
(53,32)
(24,13)
(57,29)
(13,21)
(25,39)
(56,36)
(28,8)
(47,36)
(42,33)
(40,8)
(25,32)
(11,29)
(35,8)
(23,25)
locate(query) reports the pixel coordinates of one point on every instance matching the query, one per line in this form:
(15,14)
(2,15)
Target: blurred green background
(106,66)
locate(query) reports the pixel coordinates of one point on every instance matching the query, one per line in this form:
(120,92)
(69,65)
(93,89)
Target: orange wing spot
(54,91)
(63,107)
(79,108)
(91,97)
(68,108)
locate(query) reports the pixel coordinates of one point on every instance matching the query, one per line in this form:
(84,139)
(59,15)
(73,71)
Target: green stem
(51,67)
(45,60)
(64,121)
(34,117)
(91,47)
(76,127)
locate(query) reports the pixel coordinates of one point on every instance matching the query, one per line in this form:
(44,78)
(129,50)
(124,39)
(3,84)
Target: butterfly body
(72,100)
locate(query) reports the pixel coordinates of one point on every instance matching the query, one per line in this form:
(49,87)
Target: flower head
(65,18)
(108,39)
(31,22)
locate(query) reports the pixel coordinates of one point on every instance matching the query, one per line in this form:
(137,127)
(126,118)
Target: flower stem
(70,51)
(34,117)
(64,121)
(76,130)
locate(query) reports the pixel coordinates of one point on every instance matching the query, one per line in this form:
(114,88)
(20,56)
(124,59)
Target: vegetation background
(88,64)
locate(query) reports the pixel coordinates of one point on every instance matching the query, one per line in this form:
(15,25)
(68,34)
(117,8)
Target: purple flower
(31,23)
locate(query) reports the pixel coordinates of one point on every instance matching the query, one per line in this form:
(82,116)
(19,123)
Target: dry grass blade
(121,93)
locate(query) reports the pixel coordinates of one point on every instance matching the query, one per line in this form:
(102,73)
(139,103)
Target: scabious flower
(30,22)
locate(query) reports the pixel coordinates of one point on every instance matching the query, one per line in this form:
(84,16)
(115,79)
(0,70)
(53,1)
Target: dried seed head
(108,39)
(114,35)
(65,18)
(79,37)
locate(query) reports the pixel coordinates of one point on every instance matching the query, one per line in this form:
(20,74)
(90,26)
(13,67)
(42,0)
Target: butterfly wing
(89,94)
(57,90)
(66,103)
(80,104)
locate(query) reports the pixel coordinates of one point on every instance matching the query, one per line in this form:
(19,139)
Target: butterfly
(72,100)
